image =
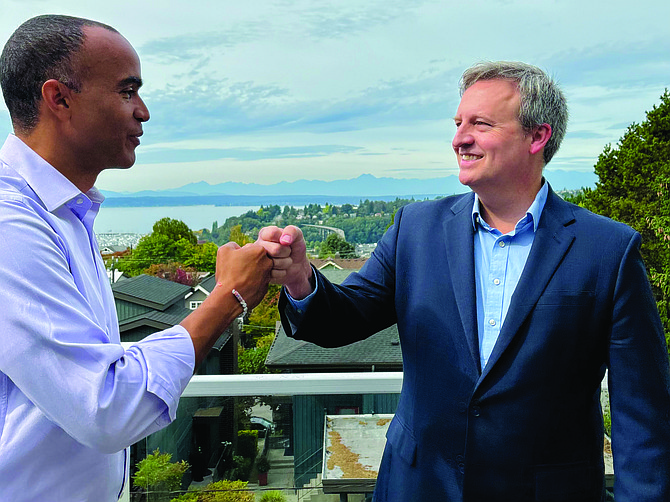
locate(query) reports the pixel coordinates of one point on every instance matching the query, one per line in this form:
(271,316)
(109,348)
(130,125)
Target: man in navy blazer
(510,305)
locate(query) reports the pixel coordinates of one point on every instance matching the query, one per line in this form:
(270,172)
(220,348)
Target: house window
(348,410)
(195,305)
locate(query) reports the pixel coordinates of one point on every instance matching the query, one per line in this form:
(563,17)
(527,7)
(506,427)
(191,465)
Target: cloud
(191,46)
(586,135)
(335,21)
(212,107)
(619,65)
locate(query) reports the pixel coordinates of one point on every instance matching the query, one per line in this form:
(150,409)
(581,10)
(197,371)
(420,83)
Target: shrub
(247,444)
(157,473)
(242,467)
(263,464)
(273,496)
(227,491)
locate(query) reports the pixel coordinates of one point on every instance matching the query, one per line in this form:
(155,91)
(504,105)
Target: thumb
(232,245)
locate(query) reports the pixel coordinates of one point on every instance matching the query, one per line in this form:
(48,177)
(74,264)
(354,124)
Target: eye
(128,93)
(482,123)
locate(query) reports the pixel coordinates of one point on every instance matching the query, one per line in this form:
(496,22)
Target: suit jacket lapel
(459,235)
(552,240)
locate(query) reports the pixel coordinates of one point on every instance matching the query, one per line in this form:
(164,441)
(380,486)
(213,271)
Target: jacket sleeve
(639,387)
(362,305)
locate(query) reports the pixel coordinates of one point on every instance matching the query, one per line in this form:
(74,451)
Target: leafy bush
(263,464)
(242,467)
(273,496)
(156,472)
(220,491)
(607,420)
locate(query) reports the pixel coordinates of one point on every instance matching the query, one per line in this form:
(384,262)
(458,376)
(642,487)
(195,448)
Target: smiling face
(107,113)
(494,152)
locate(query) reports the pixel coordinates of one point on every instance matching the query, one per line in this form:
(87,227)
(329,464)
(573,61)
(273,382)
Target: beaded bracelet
(242,302)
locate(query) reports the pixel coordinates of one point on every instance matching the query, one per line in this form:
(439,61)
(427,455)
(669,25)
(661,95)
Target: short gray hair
(542,101)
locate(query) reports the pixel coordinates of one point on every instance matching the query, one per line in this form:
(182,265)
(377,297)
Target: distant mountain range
(303,192)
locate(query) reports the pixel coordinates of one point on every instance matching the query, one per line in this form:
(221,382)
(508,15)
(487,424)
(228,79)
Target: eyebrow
(137,81)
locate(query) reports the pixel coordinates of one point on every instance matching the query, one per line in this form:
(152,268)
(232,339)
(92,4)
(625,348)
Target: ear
(539,137)
(56,98)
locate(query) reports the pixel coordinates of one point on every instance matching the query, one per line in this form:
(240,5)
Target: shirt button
(492,322)
(496,281)
(80,201)
(501,244)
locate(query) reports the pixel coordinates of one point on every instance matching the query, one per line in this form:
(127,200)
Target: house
(305,415)
(195,298)
(145,305)
(112,249)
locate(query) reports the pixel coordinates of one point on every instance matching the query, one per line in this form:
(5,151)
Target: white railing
(288,385)
(294,384)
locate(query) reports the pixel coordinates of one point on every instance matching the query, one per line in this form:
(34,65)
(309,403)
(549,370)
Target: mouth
(135,138)
(469,157)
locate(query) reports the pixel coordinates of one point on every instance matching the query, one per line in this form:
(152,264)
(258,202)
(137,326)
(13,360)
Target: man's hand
(288,251)
(245,269)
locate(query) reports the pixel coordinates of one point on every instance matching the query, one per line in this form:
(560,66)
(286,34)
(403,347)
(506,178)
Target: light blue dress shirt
(71,398)
(499,261)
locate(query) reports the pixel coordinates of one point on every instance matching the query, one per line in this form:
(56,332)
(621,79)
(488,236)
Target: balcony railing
(277,385)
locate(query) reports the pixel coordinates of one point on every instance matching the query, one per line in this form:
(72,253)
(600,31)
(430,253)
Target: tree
(236,235)
(633,188)
(202,257)
(334,245)
(172,244)
(175,230)
(174,272)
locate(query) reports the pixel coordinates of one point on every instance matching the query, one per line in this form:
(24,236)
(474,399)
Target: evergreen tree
(633,188)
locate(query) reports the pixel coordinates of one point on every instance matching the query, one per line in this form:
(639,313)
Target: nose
(462,138)
(141,111)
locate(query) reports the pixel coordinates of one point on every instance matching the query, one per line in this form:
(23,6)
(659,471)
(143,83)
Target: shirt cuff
(170,360)
(295,312)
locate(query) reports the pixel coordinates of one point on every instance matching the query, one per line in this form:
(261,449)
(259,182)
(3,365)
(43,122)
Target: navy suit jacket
(529,426)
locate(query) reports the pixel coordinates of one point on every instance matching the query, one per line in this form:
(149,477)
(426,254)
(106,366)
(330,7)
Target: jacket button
(476,411)
(462,407)
(461,468)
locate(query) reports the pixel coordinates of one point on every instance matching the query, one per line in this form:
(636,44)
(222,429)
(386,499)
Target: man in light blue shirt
(71,398)
(510,304)
(499,261)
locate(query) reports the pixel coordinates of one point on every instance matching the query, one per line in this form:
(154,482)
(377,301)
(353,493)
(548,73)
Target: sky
(262,91)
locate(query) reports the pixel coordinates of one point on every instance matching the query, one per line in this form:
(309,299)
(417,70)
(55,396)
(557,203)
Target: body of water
(140,220)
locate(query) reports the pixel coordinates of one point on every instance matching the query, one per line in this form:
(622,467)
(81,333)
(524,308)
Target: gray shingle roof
(208,283)
(150,291)
(381,350)
(171,316)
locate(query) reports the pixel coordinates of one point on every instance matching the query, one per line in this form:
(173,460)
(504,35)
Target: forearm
(206,324)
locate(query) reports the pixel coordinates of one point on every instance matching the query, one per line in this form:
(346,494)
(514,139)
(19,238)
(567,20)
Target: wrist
(226,290)
(304,287)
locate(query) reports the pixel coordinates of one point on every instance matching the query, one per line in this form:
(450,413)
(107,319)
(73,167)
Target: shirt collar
(534,211)
(46,181)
